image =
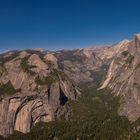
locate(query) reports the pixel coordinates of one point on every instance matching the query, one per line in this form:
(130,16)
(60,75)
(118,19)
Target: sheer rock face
(40,92)
(39,65)
(123,79)
(52,59)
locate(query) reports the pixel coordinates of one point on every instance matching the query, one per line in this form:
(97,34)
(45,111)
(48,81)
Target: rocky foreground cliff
(32,89)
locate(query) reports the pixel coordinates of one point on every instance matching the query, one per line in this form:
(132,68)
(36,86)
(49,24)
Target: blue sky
(58,24)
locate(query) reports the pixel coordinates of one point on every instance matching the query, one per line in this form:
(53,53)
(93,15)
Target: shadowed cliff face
(123,79)
(32,89)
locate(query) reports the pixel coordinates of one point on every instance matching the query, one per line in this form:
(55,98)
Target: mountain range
(36,85)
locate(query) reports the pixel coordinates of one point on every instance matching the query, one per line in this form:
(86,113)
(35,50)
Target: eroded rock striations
(32,89)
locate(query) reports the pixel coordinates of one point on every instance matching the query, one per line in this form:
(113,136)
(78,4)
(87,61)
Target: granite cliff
(32,89)
(123,79)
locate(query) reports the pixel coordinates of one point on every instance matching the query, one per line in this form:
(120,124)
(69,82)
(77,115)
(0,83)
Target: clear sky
(58,24)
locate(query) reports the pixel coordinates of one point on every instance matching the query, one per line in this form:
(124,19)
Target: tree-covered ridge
(94,117)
